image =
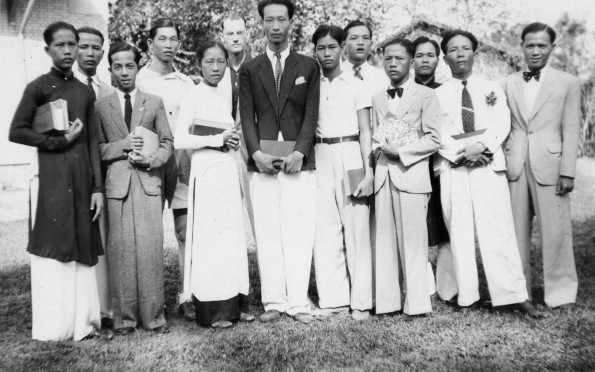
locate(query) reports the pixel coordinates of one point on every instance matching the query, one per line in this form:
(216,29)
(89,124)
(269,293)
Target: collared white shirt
(340,99)
(375,79)
(273,59)
(171,88)
(83,79)
(531,89)
(123,100)
(393,104)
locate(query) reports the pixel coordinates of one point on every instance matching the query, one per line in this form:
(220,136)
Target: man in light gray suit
(133,190)
(541,153)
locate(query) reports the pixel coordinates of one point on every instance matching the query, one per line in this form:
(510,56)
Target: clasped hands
(231,140)
(474,155)
(133,144)
(270,164)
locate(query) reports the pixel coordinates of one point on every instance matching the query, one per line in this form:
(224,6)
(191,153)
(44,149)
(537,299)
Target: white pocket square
(300,80)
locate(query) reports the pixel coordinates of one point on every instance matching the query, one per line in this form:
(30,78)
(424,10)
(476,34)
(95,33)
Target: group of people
(359,168)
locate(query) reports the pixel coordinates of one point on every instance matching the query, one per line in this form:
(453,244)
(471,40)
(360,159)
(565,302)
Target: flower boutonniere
(491,98)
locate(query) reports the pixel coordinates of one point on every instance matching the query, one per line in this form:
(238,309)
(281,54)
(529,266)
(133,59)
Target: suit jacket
(295,115)
(420,108)
(549,134)
(495,118)
(149,112)
(105,89)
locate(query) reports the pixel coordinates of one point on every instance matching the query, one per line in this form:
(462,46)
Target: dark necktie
(127,110)
(357,72)
(467,110)
(527,75)
(90,85)
(391,92)
(278,73)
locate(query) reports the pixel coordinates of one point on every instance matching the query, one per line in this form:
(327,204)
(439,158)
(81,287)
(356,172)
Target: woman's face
(213,65)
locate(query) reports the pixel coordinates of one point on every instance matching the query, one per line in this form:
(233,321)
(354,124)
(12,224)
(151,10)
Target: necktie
(467,110)
(278,73)
(527,75)
(127,110)
(357,73)
(391,92)
(90,85)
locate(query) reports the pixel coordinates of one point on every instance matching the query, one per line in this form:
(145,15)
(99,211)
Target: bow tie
(527,75)
(391,92)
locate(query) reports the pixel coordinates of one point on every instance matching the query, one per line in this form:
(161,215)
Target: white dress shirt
(393,104)
(83,79)
(375,79)
(273,59)
(531,89)
(123,100)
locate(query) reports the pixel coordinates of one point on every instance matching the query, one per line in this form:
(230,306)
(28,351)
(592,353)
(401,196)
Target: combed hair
(122,47)
(452,33)
(91,30)
(200,53)
(422,40)
(324,30)
(233,17)
(353,24)
(286,3)
(162,23)
(48,33)
(406,43)
(536,27)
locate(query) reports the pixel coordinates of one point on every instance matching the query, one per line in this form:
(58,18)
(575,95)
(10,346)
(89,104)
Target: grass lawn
(447,340)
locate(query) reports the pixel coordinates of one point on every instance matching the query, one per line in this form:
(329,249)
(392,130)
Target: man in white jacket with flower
(474,188)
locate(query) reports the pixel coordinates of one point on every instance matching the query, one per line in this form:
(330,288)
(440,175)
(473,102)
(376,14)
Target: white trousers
(284,213)
(64,300)
(477,199)
(342,249)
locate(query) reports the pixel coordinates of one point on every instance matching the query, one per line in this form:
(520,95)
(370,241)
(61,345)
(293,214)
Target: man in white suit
(474,190)
(89,56)
(541,153)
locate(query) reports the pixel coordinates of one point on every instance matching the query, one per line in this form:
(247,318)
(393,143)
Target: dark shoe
(161,329)
(270,316)
(303,318)
(245,317)
(565,307)
(528,309)
(107,323)
(187,309)
(124,331)
(466,309)
(102,334)
(222,324)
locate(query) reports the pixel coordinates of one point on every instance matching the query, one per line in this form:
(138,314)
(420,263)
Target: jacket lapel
(268,81)
(519,98)
(117,116)
(406,101)
(138,110)
(383,107)
(287,79)
(546,89)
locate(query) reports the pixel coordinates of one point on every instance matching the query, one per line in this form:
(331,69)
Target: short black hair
(406,43)
(162,23)
(324,30)
(48,33)
(536,27)
(123,47)
(452,33)
(91,30)
(200,53)
(422,40)
(353,24)
(286,3)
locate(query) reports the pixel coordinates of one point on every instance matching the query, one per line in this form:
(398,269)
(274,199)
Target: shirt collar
(543,72)
(175,74)
(60,74)
(83,78)
(429,83)
(132,94)
(284,54)
(341,76)
(458,82)
(405,85)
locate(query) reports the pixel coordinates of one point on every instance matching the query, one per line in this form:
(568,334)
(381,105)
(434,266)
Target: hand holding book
(74,130)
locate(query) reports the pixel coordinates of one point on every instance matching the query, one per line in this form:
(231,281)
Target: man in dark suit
(279,94)
(133,191)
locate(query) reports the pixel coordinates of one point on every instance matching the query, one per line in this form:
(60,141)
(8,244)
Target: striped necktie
(357,73)
(278,73)
(467,110)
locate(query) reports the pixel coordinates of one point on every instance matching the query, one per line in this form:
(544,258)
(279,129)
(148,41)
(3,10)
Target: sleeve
(93,146)
(247,112)
(183,139)
(496,134)
(363,99)
(571,123)
(165,151)
(305,140)
(20,128)
(109,151)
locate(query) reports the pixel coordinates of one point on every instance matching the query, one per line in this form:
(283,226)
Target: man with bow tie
(541,153)
(474,192)
(402,185)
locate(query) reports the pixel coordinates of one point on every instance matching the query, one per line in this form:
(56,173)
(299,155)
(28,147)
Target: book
(202,127)
(352,179)
(150,140)
(461,141)
(395,131)
(52,116)
(277,148)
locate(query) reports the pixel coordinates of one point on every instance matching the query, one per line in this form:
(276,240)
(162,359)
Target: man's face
(276,23)
(234,36)
(124,70)
(62,49)
(397,63)
(165,44)
(460,56)
(425,60)
(537,48)
(328,52)
(358,44)
(90,52)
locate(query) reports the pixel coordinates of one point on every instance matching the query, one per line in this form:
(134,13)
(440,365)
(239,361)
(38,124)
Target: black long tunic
(68,172)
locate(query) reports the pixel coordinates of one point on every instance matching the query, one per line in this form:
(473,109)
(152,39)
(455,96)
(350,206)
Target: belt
(333,140)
